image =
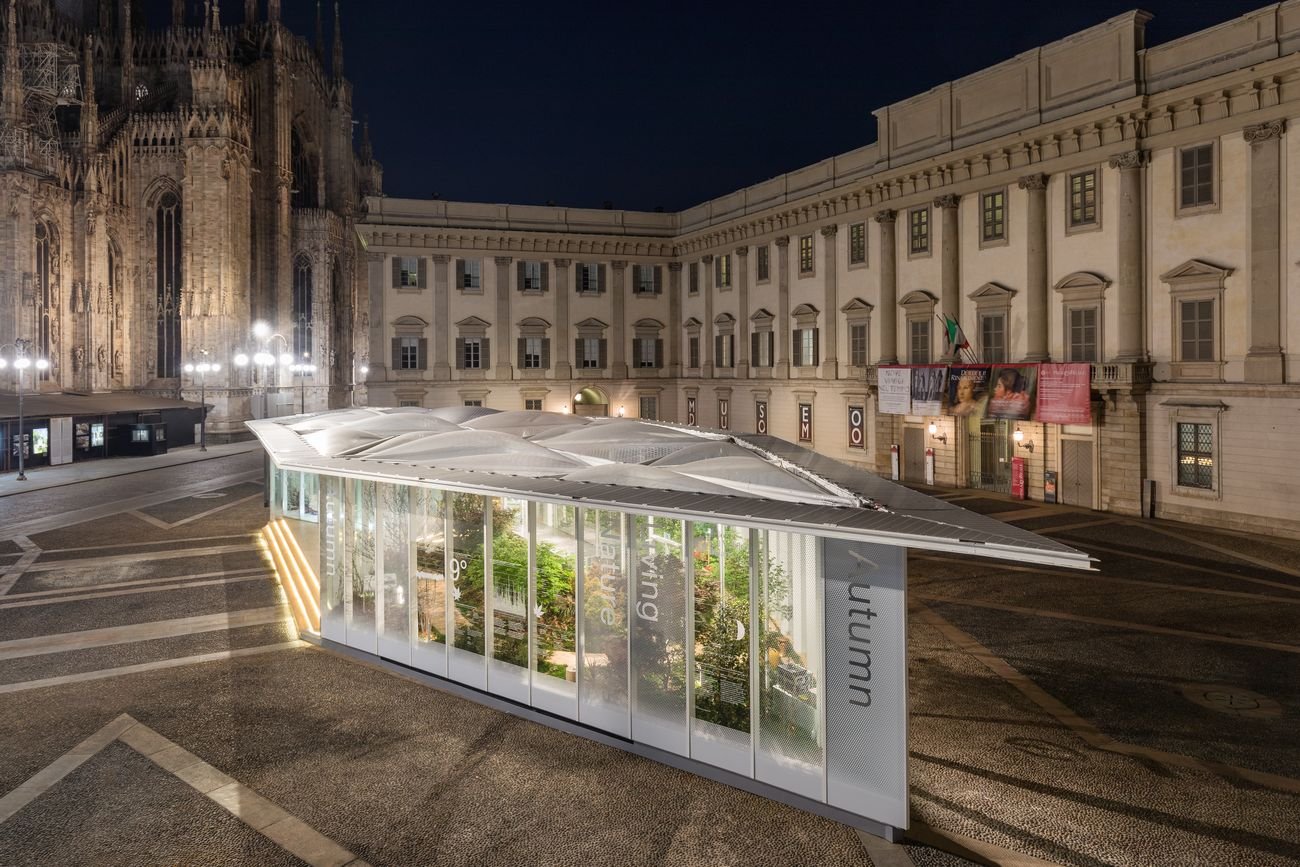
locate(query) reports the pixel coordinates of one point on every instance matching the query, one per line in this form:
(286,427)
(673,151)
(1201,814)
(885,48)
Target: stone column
(441,319)
(742,325)
(618,340)
(563,286)
(1036,295)
(830,367)
(888,288)
(706,332)
(1264,359)
(375,268)
(674,319)
(1129,286)
(504,363)
(949,262)
(782,307)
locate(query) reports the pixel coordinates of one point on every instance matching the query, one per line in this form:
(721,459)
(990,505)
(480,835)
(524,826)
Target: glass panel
(790,738)
(333,560)
(720,735)
(429,527)
(659,634)
(273,497)
(467,571)
(292,493)
(510,581)
(361,547)
(311,497)
(604,675)
(395,638)
(555,630)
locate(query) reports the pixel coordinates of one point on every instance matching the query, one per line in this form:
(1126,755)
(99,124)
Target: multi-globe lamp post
(302,370)
(21,362)
(203,367)
(264,359)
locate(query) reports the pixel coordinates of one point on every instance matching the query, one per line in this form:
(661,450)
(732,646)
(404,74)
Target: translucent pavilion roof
(640,466)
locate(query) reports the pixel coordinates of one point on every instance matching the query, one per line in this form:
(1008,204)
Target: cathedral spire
(320,35)
(11,108)
(128,55)
(178,13)
(250,11)
(367,152)
(89,104)
(273,11)
(214,23)
(338,42)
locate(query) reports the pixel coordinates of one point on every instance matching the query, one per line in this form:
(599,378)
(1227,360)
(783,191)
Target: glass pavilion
(734,605)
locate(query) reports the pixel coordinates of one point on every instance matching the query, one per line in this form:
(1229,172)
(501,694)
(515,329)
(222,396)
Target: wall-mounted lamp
(564,408)
(935,435)
(1019,437)
(577,398)
(620,411)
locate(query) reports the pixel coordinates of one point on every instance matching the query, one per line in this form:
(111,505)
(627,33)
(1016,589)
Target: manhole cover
(211,496)
(1232,700)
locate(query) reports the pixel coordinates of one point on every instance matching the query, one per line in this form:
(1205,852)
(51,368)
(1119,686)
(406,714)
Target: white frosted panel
(395,628)
(429,532)
(866,680)
(292,493)
(659,709)
(467,568)
(554,613)
(790,743)
(720,733)
(333,559)
(363,587)
(508,680)
(310,497)
(508,673)
(603,677)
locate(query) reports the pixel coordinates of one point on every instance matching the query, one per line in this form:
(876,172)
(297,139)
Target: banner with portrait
(927,389)
(1065,393)
(968,390)
(1011,391)
(895,390)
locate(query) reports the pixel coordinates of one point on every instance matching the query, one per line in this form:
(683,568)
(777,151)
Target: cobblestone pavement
(155,708)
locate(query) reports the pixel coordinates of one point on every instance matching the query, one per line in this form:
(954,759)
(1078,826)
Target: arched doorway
(590,401)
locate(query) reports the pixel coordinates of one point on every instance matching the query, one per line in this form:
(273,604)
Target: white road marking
(64,641)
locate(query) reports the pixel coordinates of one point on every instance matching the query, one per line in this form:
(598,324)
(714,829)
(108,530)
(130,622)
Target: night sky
(666,104)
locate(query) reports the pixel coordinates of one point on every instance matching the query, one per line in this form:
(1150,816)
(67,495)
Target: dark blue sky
(670,103)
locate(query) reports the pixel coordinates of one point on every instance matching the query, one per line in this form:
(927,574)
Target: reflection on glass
(790,663)
(510,581)
(361,547)
(430,529)
(466,569)
(659,634)
(604,621)
(292,493)
(396,636)
(332,560)
(273,497)
(721,558)
(310,497)
(557,559)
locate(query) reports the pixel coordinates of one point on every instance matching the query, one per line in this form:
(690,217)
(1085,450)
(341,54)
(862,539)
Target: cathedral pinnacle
(178,13)
(338,42)
(12,109)
(320,35)
(89,105)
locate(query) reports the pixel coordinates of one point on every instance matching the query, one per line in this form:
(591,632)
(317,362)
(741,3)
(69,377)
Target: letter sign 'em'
(805,423)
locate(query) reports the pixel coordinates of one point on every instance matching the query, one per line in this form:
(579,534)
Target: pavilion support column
(782,307)
(674,319)
(563,366)
(441,319)
(618,351)
(706,335)
(888,288)
(830,366)
(742,326)
(1036,298)
(949,262)
(1264,359)
(1129,287)
(504,366)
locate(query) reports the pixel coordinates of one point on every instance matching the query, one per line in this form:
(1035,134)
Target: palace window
(918,220)
(406,272)
(1196,177)
(646,280)
(805,347)
(858,244)
(693,282)
(590,354)
(1195,455)
(409,353)
(531,277)
(469,275)
(764,263)
(532,353)
(471,353)
(919,341)
(993,338)
(722,271)
(1083,198)
(589,278)
(1083,334)
(993,216)
(1196,330)
(533,403)
(693,352)
(858,345)
(806,254)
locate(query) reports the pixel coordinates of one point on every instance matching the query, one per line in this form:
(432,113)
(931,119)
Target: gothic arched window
(141,92)
(46,257)
(302,305)
(304,174)
(167,251)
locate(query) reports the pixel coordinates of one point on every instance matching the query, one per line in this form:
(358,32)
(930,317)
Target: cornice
(1262,132)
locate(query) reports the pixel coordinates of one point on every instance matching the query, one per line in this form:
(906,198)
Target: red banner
(1064,393)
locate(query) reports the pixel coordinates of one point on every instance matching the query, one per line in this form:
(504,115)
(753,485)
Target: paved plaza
(156,707)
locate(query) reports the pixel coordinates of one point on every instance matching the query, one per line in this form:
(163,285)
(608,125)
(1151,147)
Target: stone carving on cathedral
(76,297)
(54,331)
(78,358)
(117,362)
(101,358)
(99,298)
(29,290)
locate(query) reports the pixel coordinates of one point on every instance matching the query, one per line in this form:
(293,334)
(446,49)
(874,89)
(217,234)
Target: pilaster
(442,344)
(1130,282)
(782,370)
(1036,297)
(1264,359)
(618,349)
(949,261)
(706,332)
(503,365)
(742,323)
(888,288)
(674,319)
(563,286)
(830,367)
(375,279)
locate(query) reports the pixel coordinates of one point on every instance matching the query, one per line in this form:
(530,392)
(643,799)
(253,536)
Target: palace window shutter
(600,281)
(816,359)
(519,276)
(424,353)
(546,276)
(460,353)
(753,348)
(659,353)
(485,353)
(731,350)
(546,352)
(423,275)
(397,353)
(577,276)
(460,273)
(717,349)
(796,334)
(771,348)
(604,352)
(397,271)
(520,344)
(578,357)
(659,280)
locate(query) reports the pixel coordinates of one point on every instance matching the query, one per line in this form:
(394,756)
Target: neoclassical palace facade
(1093,201)
(162,190)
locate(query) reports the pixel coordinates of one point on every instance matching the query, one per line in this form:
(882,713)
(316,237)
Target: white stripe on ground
(216,509)
(101,562)
(85,588)
(106,594)
(120,670)
(150,520)
(140,544)
(40,644)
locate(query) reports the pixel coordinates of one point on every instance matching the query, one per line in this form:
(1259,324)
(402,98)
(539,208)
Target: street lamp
(302,370)
(202,368)
(22,361)
(263,358)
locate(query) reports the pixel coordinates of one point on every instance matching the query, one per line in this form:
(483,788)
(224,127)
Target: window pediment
(762,316)
(918,298)
(804,310)
(1196,274)
(534,322)
(473,322)
(858,306)
(1082,286)
(410,322)
(592,322)
(648,323)
(692,324)
(992,292)
(724,319)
